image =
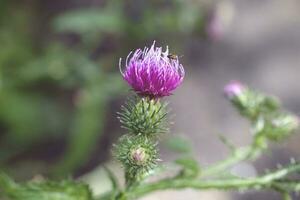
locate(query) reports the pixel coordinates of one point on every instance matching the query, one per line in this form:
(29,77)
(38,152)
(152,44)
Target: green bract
(144,116)
(270,121)
(137,154)
(252,104)
(280,126)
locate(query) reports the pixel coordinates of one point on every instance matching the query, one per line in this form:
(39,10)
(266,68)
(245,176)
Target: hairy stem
(241,154)
(265,182)
(272,181)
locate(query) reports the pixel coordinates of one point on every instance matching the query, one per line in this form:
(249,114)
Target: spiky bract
(280,126)
(137,154)
(144,116)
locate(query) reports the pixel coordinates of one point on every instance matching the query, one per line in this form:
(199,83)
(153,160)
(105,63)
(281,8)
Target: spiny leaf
(45,190)
(190,166)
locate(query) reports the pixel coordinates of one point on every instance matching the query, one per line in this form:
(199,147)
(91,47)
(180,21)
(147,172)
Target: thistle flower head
(214,27)
(152,73)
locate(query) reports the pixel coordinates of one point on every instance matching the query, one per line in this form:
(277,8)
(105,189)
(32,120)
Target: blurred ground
(262,49)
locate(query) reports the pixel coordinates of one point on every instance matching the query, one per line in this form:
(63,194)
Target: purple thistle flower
(152,73)
(214,27)
(233,89)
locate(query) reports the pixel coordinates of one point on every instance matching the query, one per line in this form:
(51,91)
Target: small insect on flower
(152,72)
(174,56)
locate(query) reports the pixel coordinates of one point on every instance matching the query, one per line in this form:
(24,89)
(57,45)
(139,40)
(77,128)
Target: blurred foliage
(50,93)
(47,190)
(133,22)
(58,71)
(178,144)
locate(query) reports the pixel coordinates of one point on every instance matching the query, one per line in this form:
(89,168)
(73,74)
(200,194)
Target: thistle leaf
(46,190)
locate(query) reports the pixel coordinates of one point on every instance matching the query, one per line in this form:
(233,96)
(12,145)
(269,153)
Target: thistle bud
(137,154)
(234,89)
(242,98)
(144,116)
(250,103)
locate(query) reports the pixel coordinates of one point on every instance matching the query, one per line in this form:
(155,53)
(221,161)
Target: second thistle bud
(137,154)
(250,103)
(234,90)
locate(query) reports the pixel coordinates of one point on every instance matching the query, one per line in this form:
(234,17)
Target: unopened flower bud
(139,156)
(234,89)
(250,103)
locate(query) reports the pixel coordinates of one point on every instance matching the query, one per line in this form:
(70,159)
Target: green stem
(238,183)
(284,193)
(272,181)
(6,184)
(239,155)
(286,196)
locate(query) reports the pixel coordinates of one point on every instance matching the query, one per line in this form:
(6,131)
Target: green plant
(145,117)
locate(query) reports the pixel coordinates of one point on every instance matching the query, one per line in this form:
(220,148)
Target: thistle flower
(152,73)
(214,27)
(219,20)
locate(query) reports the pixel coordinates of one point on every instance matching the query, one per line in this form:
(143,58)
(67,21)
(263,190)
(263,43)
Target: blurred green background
(59,75)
